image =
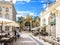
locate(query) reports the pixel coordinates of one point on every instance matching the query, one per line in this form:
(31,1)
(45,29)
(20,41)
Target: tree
(36,20)
(20,21)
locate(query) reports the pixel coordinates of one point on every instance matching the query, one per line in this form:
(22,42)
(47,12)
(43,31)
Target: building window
(0,9)
(44,22)
(0,27)
(0,15)
(6,27)
(7,16)
(7,9)
(53,19)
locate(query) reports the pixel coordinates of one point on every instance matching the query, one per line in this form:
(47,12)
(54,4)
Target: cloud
(19,15)
(44,5)
(24,13)
(24,0)
(14,1)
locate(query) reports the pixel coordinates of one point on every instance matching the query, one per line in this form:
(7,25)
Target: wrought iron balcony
(53,22)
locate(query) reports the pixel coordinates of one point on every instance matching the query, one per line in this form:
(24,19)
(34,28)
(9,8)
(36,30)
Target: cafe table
(2,34)
(4,40)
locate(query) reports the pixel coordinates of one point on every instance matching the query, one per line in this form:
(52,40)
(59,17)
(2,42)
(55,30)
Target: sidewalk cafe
(7,25)
(6,31)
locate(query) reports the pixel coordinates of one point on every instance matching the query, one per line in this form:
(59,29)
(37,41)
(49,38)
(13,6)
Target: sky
(31,7)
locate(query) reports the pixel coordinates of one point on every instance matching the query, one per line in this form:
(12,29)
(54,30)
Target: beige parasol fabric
(5,20)
(14,24)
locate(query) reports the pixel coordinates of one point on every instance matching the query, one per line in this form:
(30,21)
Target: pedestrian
(5,43)
(17,34)
(8,33)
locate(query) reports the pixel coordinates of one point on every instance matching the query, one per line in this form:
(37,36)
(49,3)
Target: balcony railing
(53,22)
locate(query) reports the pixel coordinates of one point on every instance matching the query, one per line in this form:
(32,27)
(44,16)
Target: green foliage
(35,18)
(20,19)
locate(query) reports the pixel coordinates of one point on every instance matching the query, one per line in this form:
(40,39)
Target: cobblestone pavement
(25,40)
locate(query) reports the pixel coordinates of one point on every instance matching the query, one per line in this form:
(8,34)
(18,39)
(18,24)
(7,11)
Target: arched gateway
(27,23)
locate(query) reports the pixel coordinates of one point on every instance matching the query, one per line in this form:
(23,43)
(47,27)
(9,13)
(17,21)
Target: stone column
(3,26)
(10,28)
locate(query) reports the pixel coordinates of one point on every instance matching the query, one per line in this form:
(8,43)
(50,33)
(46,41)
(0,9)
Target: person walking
(18,34)
(15,34)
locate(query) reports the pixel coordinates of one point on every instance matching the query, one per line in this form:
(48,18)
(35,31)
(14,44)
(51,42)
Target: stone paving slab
(24,41)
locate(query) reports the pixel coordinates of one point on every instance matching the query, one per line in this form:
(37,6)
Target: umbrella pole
(2,26)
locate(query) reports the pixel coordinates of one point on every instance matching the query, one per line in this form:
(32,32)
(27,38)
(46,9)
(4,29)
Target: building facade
(50,18)
(7,11)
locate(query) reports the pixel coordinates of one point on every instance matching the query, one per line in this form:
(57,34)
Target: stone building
(7,11)
(51,19)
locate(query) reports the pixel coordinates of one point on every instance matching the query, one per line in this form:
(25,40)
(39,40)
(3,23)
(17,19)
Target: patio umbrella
(8,23)
(15,24)
(5,21)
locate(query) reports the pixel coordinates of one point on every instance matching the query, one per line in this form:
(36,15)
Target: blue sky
(32,7)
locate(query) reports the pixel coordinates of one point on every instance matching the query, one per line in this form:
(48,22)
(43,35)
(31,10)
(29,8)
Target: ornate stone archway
(27,20)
